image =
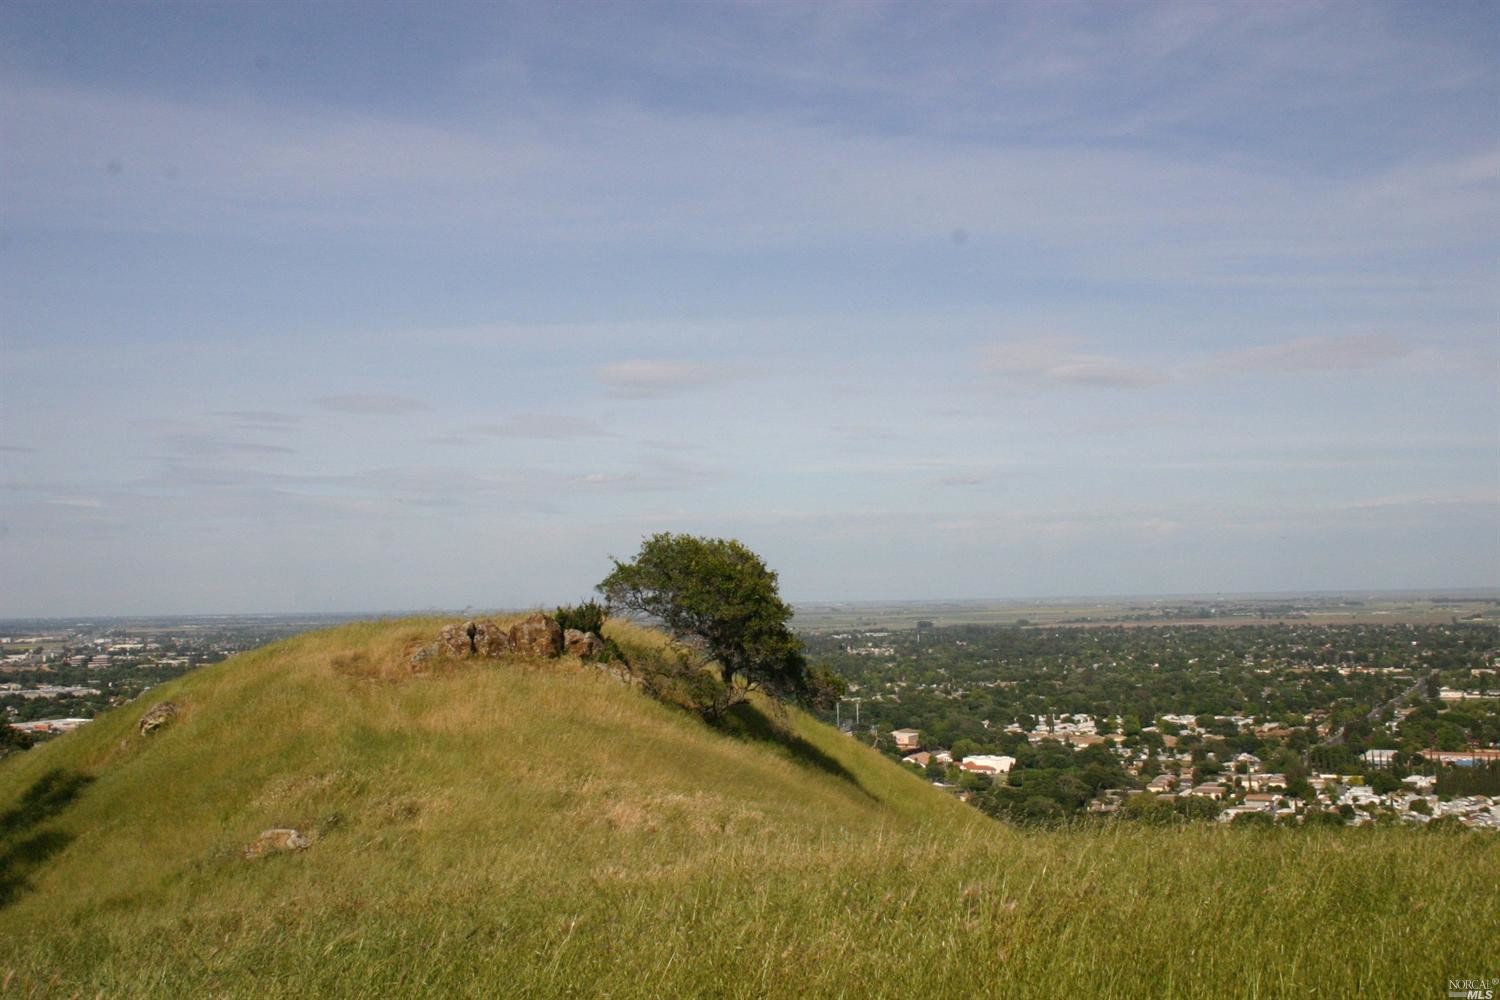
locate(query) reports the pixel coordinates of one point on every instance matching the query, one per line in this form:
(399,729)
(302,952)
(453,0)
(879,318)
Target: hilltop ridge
(539,827)
(298,732)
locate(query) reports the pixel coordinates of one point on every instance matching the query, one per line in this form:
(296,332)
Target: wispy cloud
(1341,353)
(370,404)
(531,487)
(1055,359)
(81,503)
(422,485)
(644,379)
(1059,360)
(1197,237)
(1204,219)
(207,445)
(260,420)
(654,473)
(865,433)
(542,427)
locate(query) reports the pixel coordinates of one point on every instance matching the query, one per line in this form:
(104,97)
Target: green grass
(539,830)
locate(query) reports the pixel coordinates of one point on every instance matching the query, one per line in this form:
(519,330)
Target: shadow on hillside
(746,721)
(24,848)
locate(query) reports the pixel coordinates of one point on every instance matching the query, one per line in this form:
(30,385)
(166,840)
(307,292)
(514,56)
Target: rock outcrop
(583,645)
(537,635)
(475,638)
(276,842)
(492,640)
(619,672)
(458,640)
(158,718)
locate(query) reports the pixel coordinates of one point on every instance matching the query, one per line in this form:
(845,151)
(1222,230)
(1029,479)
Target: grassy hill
(535,828)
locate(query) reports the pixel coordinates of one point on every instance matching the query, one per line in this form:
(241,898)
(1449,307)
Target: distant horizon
(1487,593)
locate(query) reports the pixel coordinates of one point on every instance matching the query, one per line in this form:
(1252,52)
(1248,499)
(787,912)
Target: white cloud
(82,503)
(644,379)
(1053,359)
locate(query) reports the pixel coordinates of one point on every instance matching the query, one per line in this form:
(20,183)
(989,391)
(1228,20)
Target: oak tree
(716,596)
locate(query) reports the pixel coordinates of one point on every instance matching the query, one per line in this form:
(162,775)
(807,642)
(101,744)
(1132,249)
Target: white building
(906,739)
(988,764)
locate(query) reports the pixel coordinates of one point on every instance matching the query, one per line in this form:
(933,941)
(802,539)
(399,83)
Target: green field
(537,829)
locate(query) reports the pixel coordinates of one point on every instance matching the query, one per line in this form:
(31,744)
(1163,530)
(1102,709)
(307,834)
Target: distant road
(1374,714)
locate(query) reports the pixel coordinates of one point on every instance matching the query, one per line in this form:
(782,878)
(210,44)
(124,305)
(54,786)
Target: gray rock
(537,635)
(458,640)
(492,640)
(277,841)
(158,718)
(620,673)
(582,644)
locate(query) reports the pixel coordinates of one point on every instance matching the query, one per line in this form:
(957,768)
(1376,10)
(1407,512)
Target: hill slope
(539,828)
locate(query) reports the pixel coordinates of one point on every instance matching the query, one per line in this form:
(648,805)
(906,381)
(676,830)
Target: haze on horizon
(319,307)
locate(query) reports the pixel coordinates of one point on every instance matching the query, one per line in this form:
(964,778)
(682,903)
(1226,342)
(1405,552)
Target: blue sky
(387,306)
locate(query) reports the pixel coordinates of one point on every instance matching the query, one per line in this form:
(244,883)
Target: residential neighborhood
(57,675)
(1244,787)
(1289,722)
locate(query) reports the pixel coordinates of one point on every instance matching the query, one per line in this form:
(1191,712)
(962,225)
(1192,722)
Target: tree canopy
(717,596)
